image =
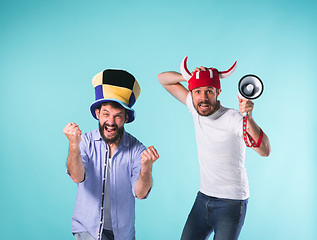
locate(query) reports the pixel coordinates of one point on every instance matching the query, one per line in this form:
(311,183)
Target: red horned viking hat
(205,78)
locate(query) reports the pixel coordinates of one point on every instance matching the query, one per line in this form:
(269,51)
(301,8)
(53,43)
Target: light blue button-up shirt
(125,171)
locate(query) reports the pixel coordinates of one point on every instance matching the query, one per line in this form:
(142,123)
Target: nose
(203,95)
(110,121)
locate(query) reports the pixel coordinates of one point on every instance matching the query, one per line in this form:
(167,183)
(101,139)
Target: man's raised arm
(75,165)
(171,81)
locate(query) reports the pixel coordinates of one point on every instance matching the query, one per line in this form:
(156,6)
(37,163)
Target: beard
(113,139)
(212,108)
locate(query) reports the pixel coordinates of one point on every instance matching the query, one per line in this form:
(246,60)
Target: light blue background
(49,52)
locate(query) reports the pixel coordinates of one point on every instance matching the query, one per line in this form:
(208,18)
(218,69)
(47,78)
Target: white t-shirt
(221,153)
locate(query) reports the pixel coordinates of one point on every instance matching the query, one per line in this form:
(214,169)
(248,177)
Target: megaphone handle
(241,97)
(245,134)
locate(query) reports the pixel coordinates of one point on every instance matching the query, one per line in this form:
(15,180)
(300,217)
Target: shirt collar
(218,113)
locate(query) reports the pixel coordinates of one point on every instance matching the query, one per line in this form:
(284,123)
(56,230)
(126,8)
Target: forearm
(254,130)
(170,78)
(75,164)
(171,81)
(144,183)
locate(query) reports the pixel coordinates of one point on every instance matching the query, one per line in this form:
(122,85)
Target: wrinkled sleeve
(189,103)
(237,122)
(84,150)
(136,165)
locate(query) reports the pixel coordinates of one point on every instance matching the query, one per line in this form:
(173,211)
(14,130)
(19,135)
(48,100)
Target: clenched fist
(73,133)
(148,157)
(246,106)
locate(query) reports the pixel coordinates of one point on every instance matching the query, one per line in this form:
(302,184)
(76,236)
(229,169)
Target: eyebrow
(104,110)
(119,113)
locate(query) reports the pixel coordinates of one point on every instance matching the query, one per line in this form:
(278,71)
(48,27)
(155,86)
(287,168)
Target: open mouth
(111,129)
(204,106)
(110,133)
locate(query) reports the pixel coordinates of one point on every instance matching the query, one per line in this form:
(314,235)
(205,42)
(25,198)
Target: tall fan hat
(117,86)
(205,78)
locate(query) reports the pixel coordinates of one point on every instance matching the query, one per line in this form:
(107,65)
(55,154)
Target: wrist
(146,169)
(73,145)
(250,117)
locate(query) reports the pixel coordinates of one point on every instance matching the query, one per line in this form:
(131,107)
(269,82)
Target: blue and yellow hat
(117,86)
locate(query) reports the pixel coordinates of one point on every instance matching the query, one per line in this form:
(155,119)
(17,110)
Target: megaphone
(250,87)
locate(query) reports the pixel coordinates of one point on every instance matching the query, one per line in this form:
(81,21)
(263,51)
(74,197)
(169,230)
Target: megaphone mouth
(250,86)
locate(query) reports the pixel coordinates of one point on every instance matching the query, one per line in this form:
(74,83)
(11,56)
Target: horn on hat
(227,73)
(184,70)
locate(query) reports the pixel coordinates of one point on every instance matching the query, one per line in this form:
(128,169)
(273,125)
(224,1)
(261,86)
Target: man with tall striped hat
(110,166)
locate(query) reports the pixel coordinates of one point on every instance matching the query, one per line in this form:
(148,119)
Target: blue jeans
(224,217)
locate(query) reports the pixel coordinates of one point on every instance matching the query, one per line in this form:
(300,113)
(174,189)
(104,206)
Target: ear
(97,113)
(126,118)
(218,92)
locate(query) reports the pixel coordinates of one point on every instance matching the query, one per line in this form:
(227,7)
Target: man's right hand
(73,133)
(74,162)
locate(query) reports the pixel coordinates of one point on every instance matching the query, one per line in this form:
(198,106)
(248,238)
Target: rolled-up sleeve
(136,166)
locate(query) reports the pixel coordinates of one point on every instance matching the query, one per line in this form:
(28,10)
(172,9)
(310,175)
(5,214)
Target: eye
(119,116)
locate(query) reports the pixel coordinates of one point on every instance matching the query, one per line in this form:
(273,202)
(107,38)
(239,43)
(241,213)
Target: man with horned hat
(110,166)
(221,202)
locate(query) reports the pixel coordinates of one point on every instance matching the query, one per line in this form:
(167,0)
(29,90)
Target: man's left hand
(246,106)
(148,157)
